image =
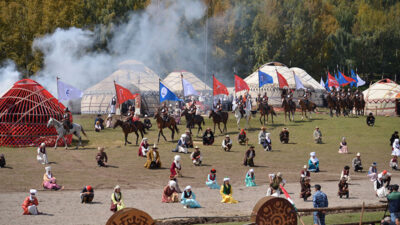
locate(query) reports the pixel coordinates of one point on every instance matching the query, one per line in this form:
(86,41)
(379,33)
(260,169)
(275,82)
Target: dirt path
(64,207)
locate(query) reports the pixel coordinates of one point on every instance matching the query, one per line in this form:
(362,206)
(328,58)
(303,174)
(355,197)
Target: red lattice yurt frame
(24,112)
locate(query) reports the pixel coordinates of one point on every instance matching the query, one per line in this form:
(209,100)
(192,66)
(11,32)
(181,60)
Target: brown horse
(343,106)
(359,105)
(161,124)
(289,107)
(266,110)
(333,105)
(128,127)
(310,107)
(219,118)
(192,120)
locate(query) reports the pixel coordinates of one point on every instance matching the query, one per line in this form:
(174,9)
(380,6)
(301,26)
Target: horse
(128,127)
(266,110)
(192,120)
(310,107)
(61,131)
(289,107)
(238,115)
(219,118)
(359,105)
(343,106)
(161,124)
(333,105)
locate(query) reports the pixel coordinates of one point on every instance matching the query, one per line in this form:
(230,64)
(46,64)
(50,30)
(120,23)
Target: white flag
(322,83)
(360,82)
(67,92)
(299,84)
(188,88)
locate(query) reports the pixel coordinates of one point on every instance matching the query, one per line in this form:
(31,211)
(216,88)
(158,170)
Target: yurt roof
(307,80)
(385,89)
(174,82)
(270,69)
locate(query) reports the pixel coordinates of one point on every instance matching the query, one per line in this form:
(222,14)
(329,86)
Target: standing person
(394,203)
(394,164)
(356,162)
(42,154)
(117,202)
(370,120)
(343,146)
(373,172)
(49,181)
(317,136)
(196,156)
(101,157)
(394,136)
(153,158)
(208,137)
(226,192)
(113,104)
(305,191)
(30,204)
(250,179)
(188,199)
(144,147)
(2,161)
(212,180)
(284,136)
(87,194)
(313,163)
(227,144)
(170,194)
(249,156)
(320,200)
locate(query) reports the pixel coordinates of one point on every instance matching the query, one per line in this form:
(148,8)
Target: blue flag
(354,76)
(264,78)
(327,85)
(166,94)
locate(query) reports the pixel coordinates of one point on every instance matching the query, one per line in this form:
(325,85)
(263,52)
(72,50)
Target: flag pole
(58,97)
(259,88)
(116,95)
(183,88)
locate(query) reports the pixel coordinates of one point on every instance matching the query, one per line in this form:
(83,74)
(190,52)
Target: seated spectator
(262,136)
(100,120)
(2,161)
(394,164)
(268,142)
(189,139)
(379,187)
(42,154)
(182,145)
(101,157)
(275,181)
(313,163)
(97,127)
(249,156)
(370,120)
(87,194)
(169,193)
(284,136)
(117,202)
(373,172)
(396,146)
(317,136)
(49,181)
(394,136)
(109,121)
(250,179)
(147,122)
(305,191)
(208,137)
(304,174)
(196,156)
(188,199)
(227,143)
(226,192)
(345,173)
(153,158)
(356,162)
(343,146)
(386,178)
(343,187)
(242,137)
(30,204)
(144,147)
(212,180)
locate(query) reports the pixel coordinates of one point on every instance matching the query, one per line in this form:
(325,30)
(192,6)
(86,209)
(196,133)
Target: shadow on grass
(257,166)
(8,167)
(112,166)
(95,203)
(52,163)
(45,214)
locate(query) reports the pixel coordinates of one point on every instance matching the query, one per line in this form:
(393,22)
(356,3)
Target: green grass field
(73,168)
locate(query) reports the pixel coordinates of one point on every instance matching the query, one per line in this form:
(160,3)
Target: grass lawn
(74,168)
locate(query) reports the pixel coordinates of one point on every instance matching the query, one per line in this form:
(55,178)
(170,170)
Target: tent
(380,98)
(131,74)
(24,112)
(174,82)
(307,80)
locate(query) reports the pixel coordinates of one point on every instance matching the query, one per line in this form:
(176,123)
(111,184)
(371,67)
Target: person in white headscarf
(343,146)
(250,179)
(226,192)
(109,121)
(170,194)
(117,202)
(144,147)
(182,145)
(379,187)
(113,104)
(188,198)
(313,163)
(30,204)
(396,147)
(49,181)
(42,154)
(176,167)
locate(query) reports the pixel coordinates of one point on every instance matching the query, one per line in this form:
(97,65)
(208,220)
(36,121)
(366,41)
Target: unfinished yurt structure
(380,98)
(131,74)
(24,112)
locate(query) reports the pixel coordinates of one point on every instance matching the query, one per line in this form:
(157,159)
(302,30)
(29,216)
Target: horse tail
(142,128)
(176,128)
(83,131)
(204,123)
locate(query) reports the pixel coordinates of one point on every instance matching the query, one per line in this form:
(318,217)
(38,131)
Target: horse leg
(65,142)
(162,133)
(159,132)
(260,119)
(214,127)
(200,129)
(173,132)
(238,123)
(219,128)
(137,137)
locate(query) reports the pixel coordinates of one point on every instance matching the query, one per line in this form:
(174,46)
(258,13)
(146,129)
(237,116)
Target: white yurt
(380,98)
(131,74)
(174,82)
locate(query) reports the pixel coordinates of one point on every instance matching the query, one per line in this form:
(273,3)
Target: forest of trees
(317,35)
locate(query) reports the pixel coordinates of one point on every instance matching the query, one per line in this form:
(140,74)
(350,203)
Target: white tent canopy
(380,98)
(307,79)
(174,83)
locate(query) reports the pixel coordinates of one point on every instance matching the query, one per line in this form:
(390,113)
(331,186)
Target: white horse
(61,131)
(238,115)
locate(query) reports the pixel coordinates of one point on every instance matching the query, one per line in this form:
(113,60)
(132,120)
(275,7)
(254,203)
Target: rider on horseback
(218,107)
(67,119)
(193,108)
(307,96)
(242,105)
(164,112)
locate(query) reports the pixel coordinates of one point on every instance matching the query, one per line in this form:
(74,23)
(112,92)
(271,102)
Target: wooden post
(362,212)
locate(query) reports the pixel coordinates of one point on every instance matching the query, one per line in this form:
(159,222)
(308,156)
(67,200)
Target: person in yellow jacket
(153,158)
(226,192)
(117,203)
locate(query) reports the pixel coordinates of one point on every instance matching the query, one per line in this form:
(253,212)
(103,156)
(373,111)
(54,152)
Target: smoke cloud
(8,76)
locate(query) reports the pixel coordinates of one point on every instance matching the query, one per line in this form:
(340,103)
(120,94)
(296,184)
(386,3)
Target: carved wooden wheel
(274,211)
(130,216)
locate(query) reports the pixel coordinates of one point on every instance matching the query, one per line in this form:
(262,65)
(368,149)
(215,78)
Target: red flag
(123,94)
(282,81)
(332,82)
(219,88)
(240,84)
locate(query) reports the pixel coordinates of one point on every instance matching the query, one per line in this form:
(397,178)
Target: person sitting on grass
(169,193)
(147,122)
(30,204)
(249,156)
(144,147)
(305,191)
(97,127)
(101,157)
(2,161)
(262,136)
(343,187)
(386,178)
(100,122)
(317,136)
(227,143)
(250,179)
(188,199)
(284,136)
(275,181)
(242,137)
(208,137)
(153,158)
(356,162)
(212,180)
(226,192)
(304,173)
(345,173)
(42,154)
(370,120)
(313,163)
(87,194)
(394,164)
(196,156)
(49,181)
(396,145)
(109,121)
(373,172)
(182,145)
(117,202)
(379,187)
(189,138)
(343,146)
